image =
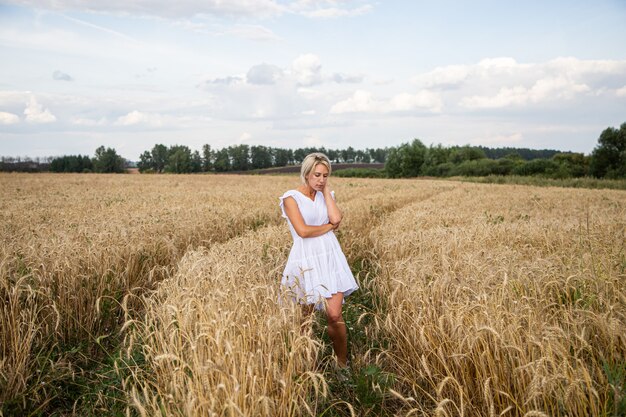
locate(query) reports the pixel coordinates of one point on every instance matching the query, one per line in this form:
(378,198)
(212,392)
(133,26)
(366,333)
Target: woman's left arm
(334,214)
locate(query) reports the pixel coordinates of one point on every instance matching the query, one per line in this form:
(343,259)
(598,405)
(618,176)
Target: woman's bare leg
(337,328)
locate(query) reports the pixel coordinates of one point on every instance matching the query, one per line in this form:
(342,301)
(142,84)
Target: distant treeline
(524,153)
(608,160)
(24,164)
(181,159)
(105,160)
(415,159)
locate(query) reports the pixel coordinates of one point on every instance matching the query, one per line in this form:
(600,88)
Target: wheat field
(158,295)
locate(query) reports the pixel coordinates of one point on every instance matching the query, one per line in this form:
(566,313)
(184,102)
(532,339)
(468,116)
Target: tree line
(524,153)
(24,164)
(608,160)
(105,160)
(181,159)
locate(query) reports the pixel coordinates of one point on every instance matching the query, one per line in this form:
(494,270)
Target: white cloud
(13,98)
(360,102)
(621,92)
(547,89)
(264,74)
(363,102)
(8,118)
(304,72)
(503,82)
(452,75)
(574,67)
(307,69)
(498,65)
(556,87)
(35,113)
(136,117)
(421,100)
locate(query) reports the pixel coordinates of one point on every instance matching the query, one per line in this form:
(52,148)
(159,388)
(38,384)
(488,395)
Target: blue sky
(77,74)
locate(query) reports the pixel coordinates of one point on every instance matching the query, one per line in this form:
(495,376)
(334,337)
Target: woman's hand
(326,189)
(334,215)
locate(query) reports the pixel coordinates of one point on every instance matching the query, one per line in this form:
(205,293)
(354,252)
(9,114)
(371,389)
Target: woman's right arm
(302,229)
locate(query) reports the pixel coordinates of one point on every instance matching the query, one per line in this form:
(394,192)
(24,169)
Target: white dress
(316,268)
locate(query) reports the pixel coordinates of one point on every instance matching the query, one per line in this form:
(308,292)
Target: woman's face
(318,177)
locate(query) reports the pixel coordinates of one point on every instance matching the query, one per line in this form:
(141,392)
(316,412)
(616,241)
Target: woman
(317,272)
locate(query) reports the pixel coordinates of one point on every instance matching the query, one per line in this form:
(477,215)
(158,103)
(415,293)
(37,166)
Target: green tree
(71,163)
(333,155)
(222,160)
(435,156)
(362,156)
(460,154)
(260,157)
(406,160)
(348,154)
(475,168)
(179,160)
(608,158)
(240,157)
(207,158)
(145,162)
(378,155)
(540,167)
(196,162)
(87,165)
(106,160)
(282,157)
(299,155)
(571,164)
(513,156)
(159,157)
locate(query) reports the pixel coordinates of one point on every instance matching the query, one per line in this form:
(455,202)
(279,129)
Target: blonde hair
(310,162)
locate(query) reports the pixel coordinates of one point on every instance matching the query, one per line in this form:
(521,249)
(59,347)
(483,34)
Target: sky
(78,74)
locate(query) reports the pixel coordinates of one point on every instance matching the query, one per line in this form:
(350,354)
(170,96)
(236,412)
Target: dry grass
(489,299)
